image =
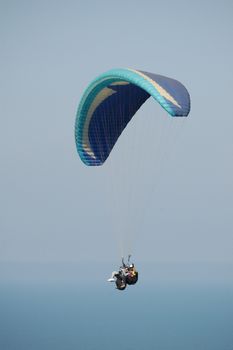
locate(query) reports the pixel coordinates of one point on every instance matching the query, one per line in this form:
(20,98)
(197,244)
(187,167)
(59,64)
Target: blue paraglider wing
(110,102)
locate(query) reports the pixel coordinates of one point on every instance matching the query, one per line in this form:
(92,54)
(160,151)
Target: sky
(55,209)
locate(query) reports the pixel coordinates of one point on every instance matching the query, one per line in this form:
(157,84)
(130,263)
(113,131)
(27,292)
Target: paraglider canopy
(110,102)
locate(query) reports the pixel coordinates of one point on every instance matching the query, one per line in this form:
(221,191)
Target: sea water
(65,314)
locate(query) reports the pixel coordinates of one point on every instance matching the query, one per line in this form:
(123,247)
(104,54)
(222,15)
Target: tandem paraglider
(127,274)
(107,106)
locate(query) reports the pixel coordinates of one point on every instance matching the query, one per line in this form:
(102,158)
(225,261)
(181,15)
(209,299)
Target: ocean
(68,313)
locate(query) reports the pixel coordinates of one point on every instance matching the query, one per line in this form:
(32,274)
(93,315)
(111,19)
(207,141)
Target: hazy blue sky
(53,208)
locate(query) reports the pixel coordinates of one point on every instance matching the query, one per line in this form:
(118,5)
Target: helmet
(131,265)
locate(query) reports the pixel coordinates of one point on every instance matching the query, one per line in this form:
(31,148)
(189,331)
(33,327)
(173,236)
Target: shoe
(111,280)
